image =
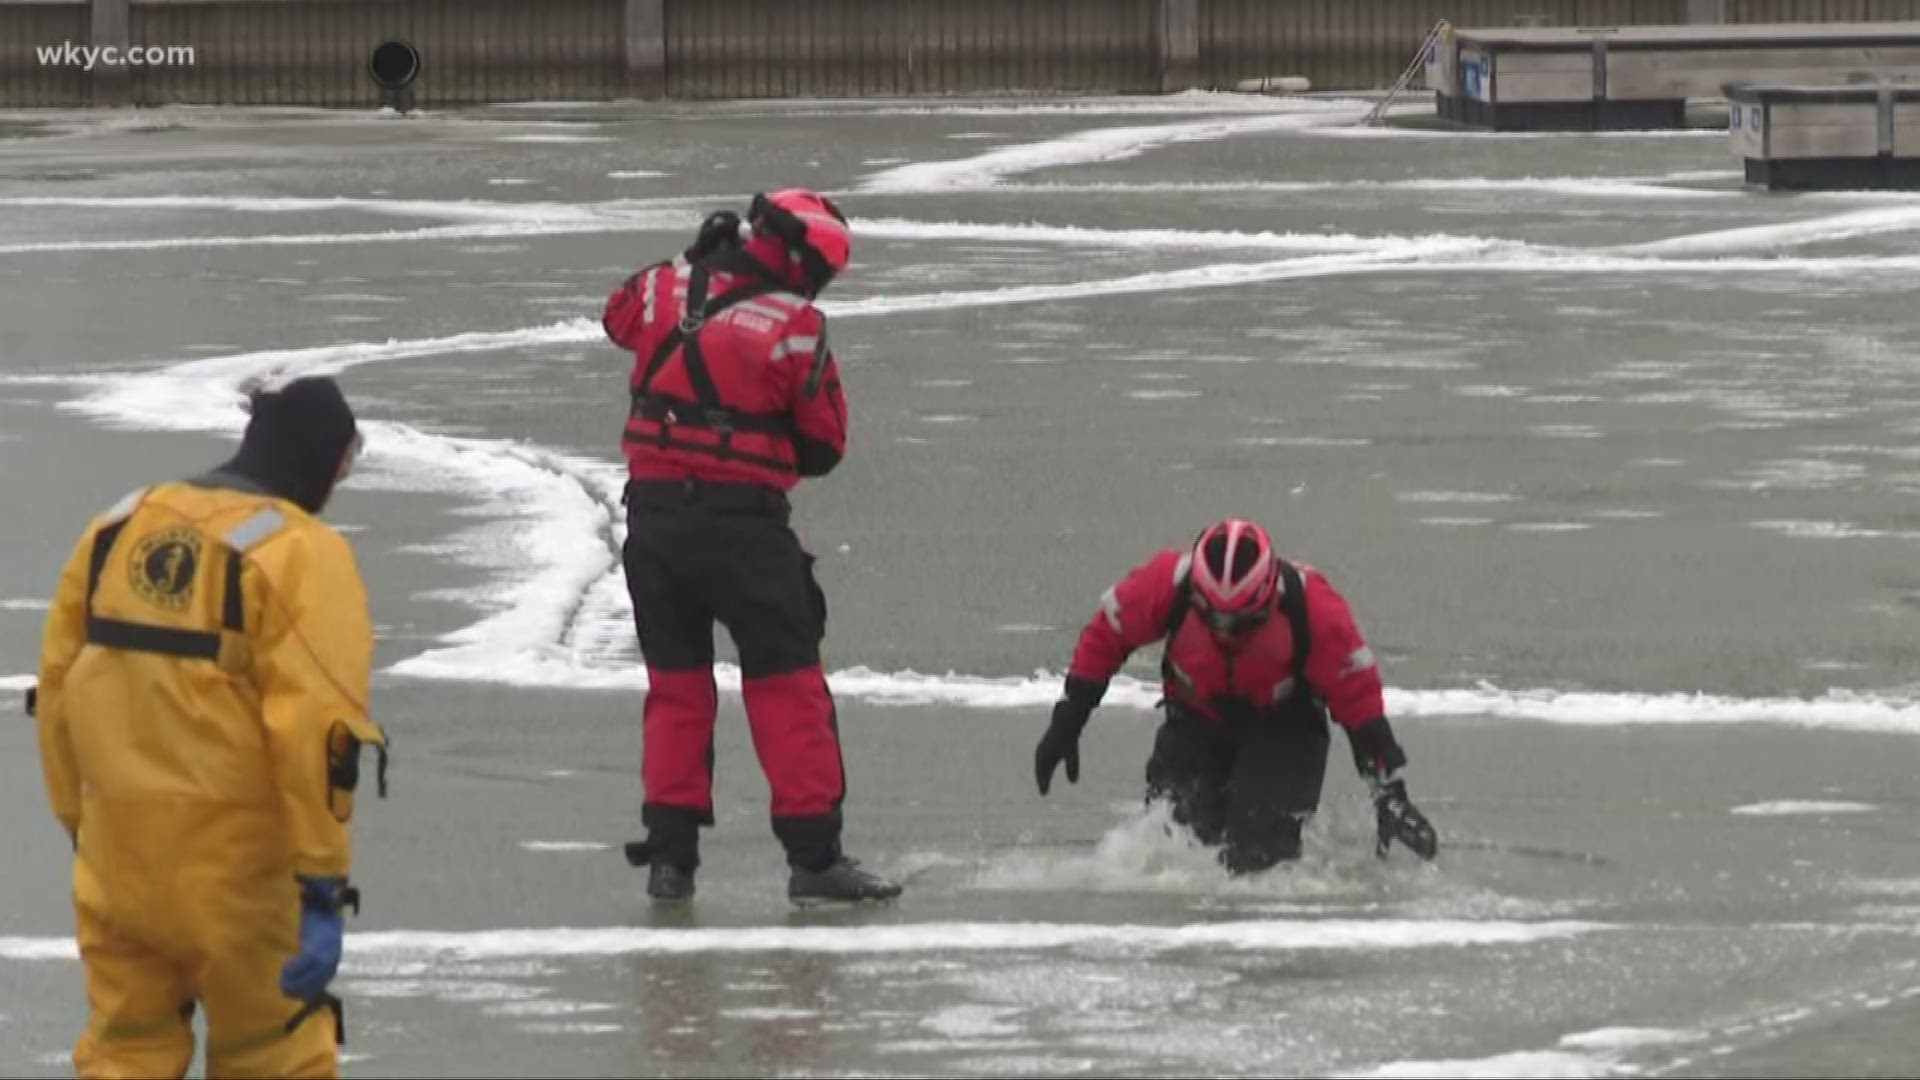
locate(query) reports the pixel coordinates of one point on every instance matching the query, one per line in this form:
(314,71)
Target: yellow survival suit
(201,705)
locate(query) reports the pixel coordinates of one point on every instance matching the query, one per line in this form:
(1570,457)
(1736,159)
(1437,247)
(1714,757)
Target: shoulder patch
(165,565)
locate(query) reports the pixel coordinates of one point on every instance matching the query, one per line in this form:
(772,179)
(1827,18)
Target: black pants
(698,554)
(1249,789)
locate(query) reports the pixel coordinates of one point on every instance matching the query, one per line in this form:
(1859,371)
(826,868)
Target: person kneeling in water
(1242,754)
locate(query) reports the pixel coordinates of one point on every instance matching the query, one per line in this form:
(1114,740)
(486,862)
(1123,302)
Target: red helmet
(1235,576)
(813,230)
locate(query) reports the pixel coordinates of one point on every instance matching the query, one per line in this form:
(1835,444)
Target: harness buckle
(690,323)
(720,419)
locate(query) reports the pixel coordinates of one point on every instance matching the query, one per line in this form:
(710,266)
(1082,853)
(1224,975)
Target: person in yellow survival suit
(202,704)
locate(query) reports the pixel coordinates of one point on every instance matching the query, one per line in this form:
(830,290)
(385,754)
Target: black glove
(1399,820)
(721,229)
(1061,743)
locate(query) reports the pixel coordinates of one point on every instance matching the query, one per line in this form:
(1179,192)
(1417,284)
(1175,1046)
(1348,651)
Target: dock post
(646,48)
(111,24)
(1706,11)
(1179,45)
(1883,120)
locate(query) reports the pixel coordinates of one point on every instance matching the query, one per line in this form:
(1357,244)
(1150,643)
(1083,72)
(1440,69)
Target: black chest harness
(707,411)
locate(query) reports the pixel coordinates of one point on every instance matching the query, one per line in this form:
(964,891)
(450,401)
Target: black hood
(295,441)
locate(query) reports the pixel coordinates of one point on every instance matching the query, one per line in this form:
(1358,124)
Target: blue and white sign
(1744,124)
(1473,76)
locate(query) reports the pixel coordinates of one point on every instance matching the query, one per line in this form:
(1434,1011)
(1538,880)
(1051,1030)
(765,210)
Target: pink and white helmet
(812,228)
(1235,576)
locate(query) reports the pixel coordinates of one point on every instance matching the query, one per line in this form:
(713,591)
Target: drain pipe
(394,65)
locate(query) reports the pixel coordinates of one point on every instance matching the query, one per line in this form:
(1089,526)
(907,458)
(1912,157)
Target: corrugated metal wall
(1761,11)
(24,80)
(316,53)
(1359,44)
(852,48)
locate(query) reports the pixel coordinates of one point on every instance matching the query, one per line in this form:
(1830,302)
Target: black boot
(822,873)
(669,884)
(840,882)
(671,852)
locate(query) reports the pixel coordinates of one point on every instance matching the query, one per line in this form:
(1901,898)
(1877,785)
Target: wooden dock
(1641,77)
(1827,138)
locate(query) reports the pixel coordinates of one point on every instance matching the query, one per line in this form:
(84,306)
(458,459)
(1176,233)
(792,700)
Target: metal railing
(1421,57)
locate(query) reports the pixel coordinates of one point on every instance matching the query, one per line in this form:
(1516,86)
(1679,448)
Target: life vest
(707,424)
(1293,607)
(163,567)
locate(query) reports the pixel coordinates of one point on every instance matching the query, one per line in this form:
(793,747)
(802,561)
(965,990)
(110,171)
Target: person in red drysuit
(1260,650)
(735,398)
